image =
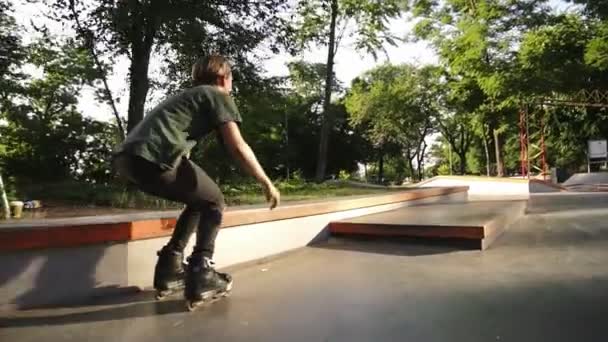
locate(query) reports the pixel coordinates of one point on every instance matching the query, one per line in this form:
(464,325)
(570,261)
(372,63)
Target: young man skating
(154,157)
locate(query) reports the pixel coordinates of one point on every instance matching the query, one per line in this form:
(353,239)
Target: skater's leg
(202,280)
(208,227)
(204,200)
(186,223)
(189,184)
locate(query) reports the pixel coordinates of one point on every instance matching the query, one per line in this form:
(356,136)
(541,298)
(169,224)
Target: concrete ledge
(129,227)
(479,223)
(38,276)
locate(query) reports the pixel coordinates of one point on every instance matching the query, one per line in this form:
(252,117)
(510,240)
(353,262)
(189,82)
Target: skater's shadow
(41,277)
(127,308)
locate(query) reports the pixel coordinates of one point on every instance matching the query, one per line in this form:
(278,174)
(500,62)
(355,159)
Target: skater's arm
(240,150)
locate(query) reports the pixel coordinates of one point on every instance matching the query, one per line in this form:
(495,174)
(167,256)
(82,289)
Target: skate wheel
(160,295)
(190,305)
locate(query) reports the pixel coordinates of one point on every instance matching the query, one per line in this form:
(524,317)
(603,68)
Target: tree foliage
(394,106)
(12,55)
(43,128)
(324,23)
(181,31)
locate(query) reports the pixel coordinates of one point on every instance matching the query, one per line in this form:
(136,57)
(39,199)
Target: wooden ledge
(70,232)
(408,230)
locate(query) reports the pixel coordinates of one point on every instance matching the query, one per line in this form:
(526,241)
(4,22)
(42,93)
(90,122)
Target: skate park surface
(543,279)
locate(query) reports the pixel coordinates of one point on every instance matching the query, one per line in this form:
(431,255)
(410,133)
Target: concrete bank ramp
(587,182)
(500,188)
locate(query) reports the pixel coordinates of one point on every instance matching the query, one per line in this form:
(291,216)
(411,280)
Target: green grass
(118,196)
(309,192)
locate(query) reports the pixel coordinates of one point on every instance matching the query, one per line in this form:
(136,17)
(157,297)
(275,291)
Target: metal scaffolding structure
(533,152)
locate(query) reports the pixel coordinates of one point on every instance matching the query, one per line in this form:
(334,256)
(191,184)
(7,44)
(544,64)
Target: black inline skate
(204,284)
(169,273)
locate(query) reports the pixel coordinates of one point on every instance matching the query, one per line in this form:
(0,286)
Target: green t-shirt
(171,129)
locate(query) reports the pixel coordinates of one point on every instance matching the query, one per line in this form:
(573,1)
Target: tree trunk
(287,144)
(138,88)
(410,164)
(420,160)
(463,162)
(462,151)
(143,32)
(487,153)
(499,166)
(381,168)
(326,125)
(6,210)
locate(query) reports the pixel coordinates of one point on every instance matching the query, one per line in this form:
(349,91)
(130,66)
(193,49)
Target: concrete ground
(545,279)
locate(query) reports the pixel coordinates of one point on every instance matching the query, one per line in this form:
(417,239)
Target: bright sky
(349,63)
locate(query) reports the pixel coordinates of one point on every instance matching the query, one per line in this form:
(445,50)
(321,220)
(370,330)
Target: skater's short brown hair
(208,69)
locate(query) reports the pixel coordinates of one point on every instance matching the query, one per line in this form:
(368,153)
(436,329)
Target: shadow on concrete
(37,278)
(136,308)
(523,309)
(401,246)
(12,267)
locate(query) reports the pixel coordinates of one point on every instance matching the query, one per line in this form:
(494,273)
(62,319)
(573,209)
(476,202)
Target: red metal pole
(523,143)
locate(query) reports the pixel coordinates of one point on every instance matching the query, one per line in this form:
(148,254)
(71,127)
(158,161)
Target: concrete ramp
(587,182)
(474,224)
(583,203)
(494,187)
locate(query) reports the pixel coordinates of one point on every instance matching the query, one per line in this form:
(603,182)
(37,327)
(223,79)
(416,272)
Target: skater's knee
(217,203)
(206,202)
(214,215)
(220,202)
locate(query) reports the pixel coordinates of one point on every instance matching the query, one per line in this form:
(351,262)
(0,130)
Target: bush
(343,175)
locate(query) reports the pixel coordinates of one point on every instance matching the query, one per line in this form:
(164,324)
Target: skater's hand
(272,195)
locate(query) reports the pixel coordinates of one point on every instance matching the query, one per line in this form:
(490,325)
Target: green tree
(320,23)
(559,60)
(594,8)
(44,130)
(392,103)
(477,44)
(552,58)
(596,54)
(179,30)
(11,57)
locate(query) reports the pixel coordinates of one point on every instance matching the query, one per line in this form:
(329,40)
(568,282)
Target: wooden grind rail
(405,230)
